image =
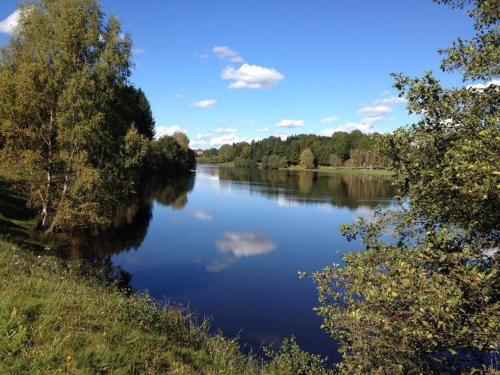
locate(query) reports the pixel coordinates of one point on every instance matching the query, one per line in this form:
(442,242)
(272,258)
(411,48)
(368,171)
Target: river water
(228,243)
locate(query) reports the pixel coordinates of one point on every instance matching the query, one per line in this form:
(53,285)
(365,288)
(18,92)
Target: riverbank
(343,170)
(326,169)
(57,319)
(62,315)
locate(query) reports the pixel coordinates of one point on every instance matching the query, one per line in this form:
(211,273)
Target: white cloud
(374,110)
(205,103)
(372,120)
(370,115)
(328,119)
(180,96)
(218,137)
(245,244)
(225,130)
(161,131)
(263,130)
(328,132)
(251,77)
(482,86)
(9,24)
(290,123)
(215,138)
(367,126)
(226,53)
(390,101)
(202,215)
(282,136)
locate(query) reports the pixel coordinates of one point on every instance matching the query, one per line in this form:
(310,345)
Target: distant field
(325,169)
(344,170)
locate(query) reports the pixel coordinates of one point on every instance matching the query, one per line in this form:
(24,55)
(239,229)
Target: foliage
(355,150)
(136,111)
(290,359)
(171,153)
(242,162)
(16,220)
(307,159)
(274,162)
(412,309)
(335,161)
(479,57)
(63,85)
(225,154)
(428,300)
(56,318)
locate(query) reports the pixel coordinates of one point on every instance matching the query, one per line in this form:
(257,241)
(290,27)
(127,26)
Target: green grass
(54,319)
(343,170)
(325,169)
(227,164)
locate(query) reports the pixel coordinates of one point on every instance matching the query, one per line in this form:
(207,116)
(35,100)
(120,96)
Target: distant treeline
(355,150)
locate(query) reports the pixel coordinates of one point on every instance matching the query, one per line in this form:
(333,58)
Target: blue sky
(227,70)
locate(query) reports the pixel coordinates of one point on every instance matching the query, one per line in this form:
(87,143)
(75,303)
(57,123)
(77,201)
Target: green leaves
(171,154)
(307,159)
(63,85)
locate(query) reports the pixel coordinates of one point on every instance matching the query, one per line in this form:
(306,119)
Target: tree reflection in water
(130,221)
(349,191)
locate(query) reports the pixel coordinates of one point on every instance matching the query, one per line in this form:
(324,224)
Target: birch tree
(61,77)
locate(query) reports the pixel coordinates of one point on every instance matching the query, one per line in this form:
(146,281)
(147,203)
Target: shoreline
(320,169)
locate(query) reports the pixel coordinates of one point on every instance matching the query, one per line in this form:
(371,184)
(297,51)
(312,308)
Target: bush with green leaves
(307,159)
(274,162)
(241,162)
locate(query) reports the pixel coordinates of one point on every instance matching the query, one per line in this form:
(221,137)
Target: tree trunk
(63,194)
(48,198)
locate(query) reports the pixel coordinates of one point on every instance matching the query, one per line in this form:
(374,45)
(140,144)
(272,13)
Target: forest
(354,150)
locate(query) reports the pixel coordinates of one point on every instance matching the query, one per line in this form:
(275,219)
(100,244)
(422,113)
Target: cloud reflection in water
(202,215)
(236,245)
(245,244)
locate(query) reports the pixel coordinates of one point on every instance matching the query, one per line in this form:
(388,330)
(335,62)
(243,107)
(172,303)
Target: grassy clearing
(227,164)
(343,170)
(325,169)
(53,319)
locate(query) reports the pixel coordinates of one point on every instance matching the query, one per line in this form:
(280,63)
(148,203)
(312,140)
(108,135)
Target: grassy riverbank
(343,170)
(326,169)
(55,319)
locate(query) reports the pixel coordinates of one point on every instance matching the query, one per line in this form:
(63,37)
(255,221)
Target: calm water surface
(228,243)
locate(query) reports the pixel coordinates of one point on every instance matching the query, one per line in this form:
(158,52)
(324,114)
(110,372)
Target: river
(228,244)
